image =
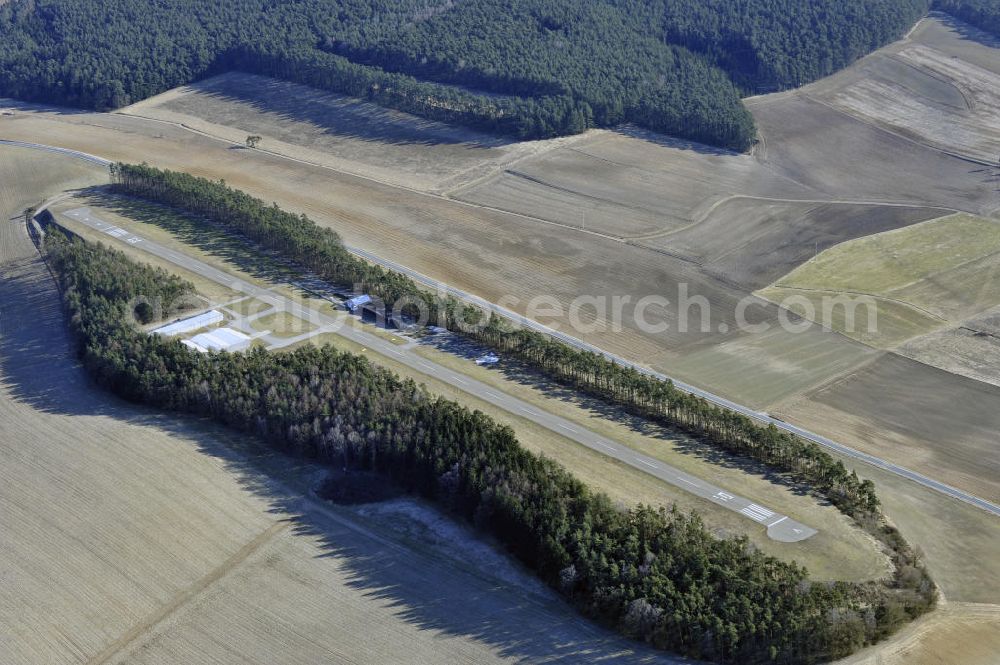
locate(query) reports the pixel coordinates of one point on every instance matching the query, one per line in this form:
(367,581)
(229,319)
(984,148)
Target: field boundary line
(778,285)
(189,594)
(703,217)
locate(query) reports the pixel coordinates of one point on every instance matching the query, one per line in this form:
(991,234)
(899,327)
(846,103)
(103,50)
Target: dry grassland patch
(959,633)
(282,324)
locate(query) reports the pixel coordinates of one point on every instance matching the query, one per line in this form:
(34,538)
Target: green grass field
(923,277)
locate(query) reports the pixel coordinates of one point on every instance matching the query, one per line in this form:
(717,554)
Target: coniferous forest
(654,574)
(525,68)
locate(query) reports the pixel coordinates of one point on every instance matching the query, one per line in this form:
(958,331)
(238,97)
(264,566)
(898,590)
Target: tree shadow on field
(666,141)
(680,441)
(422,583)
(254,261)
(37,359)
(966,31)
(336,116)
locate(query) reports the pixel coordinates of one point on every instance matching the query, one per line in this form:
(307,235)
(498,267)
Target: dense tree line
(656,575)
(527,68)
(984,14)
(662,401)
(312,247)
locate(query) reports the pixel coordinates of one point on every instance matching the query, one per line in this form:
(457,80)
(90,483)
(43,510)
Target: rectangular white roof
(222,339)
(202,320)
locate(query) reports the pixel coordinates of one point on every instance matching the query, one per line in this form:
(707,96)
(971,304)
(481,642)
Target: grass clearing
(840,551)
(249,306)
(282,324)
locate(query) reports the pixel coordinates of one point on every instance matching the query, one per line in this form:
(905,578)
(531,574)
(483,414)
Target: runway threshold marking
(757,513)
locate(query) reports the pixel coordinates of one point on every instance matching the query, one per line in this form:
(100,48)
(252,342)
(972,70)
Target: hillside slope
(528,68)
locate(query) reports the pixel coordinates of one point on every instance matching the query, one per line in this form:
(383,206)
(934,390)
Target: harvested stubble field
(925,95)
(959,40)
(753,241)
(943,425)
(626,184)
(885,128)
(337,131)
(958,633)
(971,349)
(130,536)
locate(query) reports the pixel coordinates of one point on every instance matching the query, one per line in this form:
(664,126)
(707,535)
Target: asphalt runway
(779,527)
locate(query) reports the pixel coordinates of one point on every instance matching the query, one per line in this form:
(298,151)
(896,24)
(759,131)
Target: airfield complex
(878,180)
